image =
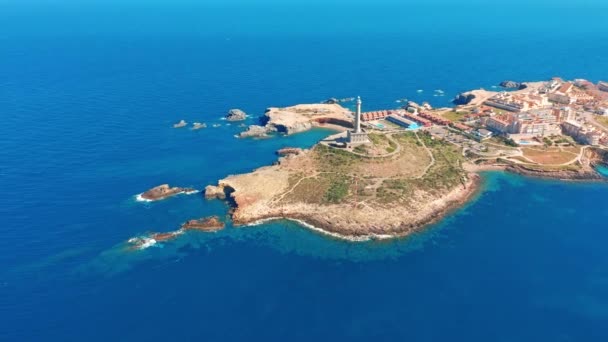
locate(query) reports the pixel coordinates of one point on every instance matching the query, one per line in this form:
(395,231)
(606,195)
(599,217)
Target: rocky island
(236,115)
(207,224)
(163,191)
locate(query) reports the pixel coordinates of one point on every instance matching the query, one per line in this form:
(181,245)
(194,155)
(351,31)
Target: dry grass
(454,116)
(602,120)
(549,156)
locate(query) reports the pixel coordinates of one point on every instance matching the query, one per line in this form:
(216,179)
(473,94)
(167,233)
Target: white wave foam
(351,238)
(139,198)
(142,242)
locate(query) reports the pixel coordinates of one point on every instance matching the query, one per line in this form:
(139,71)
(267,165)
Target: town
(537,123)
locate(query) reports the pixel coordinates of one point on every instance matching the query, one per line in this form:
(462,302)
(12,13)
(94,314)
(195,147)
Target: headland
(390,172)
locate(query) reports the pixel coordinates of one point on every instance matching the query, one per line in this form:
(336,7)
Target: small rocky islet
(205,224)
(236,115)
(164,191)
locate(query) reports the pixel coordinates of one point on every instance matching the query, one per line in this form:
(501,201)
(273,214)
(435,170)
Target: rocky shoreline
(586,174)
(566,175)
(316,219)
(457,198)
(455,201)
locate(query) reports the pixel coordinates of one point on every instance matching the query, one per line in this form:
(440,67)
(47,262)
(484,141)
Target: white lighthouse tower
(358,116)
(357,136)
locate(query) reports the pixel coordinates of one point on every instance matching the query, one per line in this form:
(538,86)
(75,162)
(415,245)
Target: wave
(139,198)
(142,242)
(351,238)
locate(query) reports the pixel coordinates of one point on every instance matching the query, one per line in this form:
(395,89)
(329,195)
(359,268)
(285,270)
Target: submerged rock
(198,125)
(180,124)
(236,115)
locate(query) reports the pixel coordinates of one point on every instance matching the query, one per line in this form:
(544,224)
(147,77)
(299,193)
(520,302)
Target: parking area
(456,138)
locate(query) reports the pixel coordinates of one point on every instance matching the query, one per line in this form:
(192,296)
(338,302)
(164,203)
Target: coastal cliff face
(597,156)
(349,196)
(300,118)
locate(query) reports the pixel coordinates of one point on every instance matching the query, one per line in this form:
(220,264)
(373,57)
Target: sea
(89,92)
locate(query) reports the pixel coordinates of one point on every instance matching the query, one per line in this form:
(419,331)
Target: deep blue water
(88,97)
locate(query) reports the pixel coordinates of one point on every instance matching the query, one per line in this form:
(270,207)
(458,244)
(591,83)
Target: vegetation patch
(338,189)
(455,115)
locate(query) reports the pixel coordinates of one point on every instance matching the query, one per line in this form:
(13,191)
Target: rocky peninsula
(355,196)
(409,167)
(300,118)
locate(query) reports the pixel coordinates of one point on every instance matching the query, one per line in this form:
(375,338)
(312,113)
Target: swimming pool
(413,126)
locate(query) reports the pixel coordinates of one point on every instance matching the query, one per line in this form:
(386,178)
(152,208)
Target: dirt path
(428,167)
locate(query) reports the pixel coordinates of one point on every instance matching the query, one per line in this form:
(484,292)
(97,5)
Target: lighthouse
(356,135)
(358,116)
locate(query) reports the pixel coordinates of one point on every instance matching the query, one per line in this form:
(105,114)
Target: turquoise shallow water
(603,170)
(88,98)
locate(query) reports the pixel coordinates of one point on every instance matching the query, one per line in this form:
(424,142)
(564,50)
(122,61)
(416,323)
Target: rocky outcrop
(292,128)
(289,151)
(213,192)
(207,224)
(580,175)
(513,85)
(256,131)
(303,117)
(236,115)
(463,99)
(331,100)
(180,124)
(164,191)
(300,118)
